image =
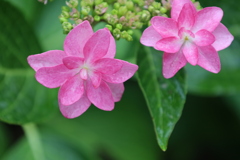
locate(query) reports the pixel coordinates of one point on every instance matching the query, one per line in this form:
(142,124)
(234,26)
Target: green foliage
(54,148)
(165,97)
(22,99)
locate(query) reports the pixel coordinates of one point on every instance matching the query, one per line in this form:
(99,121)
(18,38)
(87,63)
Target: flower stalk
(34,141)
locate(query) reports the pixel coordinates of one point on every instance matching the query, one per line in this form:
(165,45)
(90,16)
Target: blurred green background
(209,128)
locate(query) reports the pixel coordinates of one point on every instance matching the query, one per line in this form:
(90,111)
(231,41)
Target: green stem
(33,138)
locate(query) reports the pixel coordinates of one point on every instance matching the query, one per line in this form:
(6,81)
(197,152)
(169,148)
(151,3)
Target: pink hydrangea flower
(85,71)
(188,36)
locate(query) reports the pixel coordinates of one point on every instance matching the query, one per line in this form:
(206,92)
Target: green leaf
(4,139)
(165,97)
(22,99)
(54,149)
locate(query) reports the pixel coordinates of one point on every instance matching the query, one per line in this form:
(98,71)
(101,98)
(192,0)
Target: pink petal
(76,109)
(76,39)
(208,18)
(46,59)
(97,46)
(170,44)
(190,52)
(96,78)
(177,6)
(166,27)
(111,49)
(117,90)
(186,18)
(172,63)
(108,65)
(150,37)
(223,38)
(71,91)
(204,38)
(126,72)
(73,62)
(101,97)
(208,59)
(53,77)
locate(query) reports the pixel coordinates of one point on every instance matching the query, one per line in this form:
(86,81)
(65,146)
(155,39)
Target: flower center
(83,73)
(186,35)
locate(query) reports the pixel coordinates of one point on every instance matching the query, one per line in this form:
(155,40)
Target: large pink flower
(188,36)
(85,71)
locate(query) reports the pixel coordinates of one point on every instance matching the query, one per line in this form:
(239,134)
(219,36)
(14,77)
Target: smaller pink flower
(188,36)
(85,71)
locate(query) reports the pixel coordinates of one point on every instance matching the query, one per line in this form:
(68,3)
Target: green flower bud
(109,27)
(129,38)
(75,15)
(117,33)
(130,5)
(106,16)
(116,5)
(122,10)
(97,18)
(65,14)
(85,10)
(151,8)
(156,13)
(67,26)
(156,5)
(145,16)
(119,26)
(124,34)
(114,12)
(163,10)
(98,2)
(138,24)
(62,19)
(130,32)
(65,8)
(72,3)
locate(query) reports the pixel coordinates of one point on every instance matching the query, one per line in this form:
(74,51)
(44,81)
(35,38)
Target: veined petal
(204,38)
(53,77)
(96,78)
(71,91)
(186,18)
(150,37)
(208,59)
(101,97)
(111,49)
(190,52)
(208,18)
(46,59)
(97,46)
(73,62)
(223,38)
(170,44)
(76,39)
(107,65)
(177,6)
(172,63)
(117,90)
(76,109)
(126,72)
(166,27)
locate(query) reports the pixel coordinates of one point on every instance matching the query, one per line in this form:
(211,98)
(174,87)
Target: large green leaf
(54,149)
(22,99)
(165,97)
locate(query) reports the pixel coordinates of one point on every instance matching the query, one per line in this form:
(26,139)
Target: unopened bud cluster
(121,16)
